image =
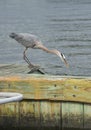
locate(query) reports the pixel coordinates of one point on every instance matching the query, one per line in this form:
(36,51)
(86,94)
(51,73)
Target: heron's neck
(46,49)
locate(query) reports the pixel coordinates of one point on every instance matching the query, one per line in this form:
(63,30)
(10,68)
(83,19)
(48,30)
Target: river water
(61,24)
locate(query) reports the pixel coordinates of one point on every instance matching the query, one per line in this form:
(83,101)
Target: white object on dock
(7,97)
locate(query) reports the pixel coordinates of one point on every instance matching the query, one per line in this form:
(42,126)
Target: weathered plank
(9,115)
(46,115)
(87,116)
(27,114)
(72,115)
(51,115)
(48,87)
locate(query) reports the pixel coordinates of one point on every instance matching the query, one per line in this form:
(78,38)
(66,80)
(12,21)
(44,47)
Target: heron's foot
(35,68)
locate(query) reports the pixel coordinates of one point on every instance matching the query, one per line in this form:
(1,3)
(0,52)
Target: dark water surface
(61,24)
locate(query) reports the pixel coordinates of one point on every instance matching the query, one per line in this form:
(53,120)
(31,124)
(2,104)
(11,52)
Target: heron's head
(13,35)
(61,55)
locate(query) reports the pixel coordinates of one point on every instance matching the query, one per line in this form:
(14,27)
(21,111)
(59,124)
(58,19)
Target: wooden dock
(50,102)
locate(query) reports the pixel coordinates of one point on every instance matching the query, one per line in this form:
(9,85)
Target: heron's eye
(12,35)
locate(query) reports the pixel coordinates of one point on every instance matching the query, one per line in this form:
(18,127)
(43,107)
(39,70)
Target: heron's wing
(29,37)
(28,40)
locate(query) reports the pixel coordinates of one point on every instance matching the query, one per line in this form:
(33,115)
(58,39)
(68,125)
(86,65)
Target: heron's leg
(31,66)
(24,56)
(26,59)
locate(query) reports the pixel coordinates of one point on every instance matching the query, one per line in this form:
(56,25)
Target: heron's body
(32,41)
(28,40)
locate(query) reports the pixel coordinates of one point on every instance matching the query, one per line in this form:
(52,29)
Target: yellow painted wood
(48,87)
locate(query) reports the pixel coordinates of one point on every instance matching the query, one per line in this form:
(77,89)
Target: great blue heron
(31,41)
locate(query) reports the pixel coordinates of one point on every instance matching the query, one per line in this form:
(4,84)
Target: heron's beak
(66,63)
(64,59)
